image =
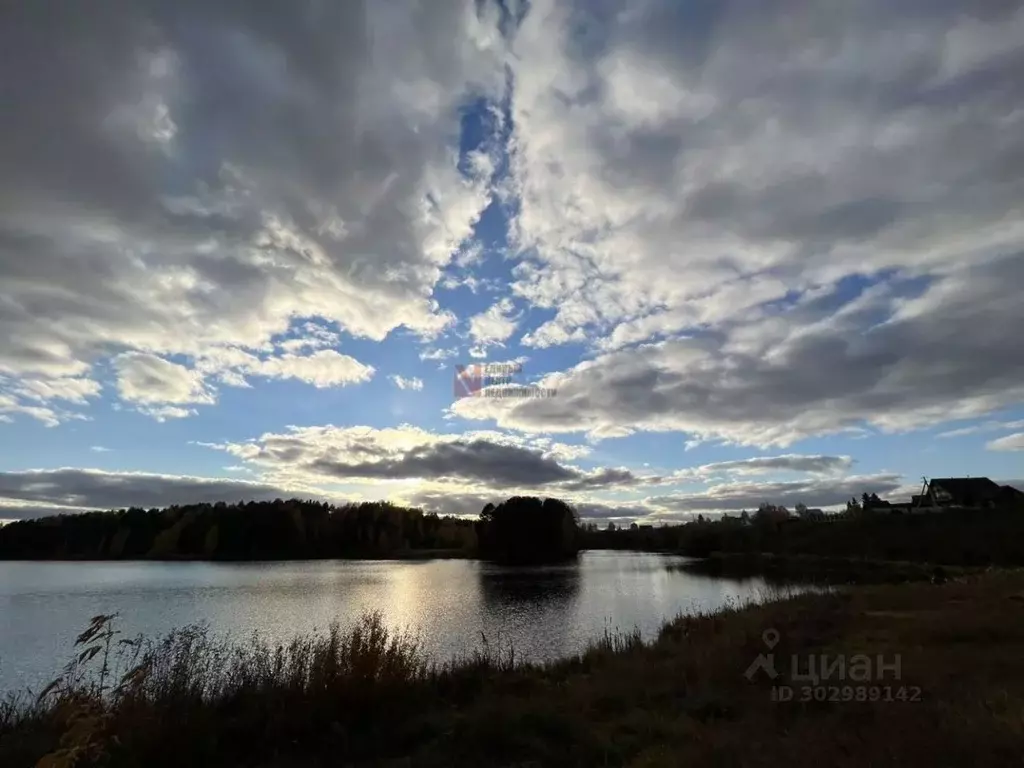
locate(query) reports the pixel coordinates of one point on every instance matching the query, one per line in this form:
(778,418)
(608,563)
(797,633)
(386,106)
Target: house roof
(967,488)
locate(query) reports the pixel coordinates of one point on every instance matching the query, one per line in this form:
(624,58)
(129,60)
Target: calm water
(544,612)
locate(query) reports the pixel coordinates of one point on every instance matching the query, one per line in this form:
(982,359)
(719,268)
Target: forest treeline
(519,530)
(255,530)
(954,537)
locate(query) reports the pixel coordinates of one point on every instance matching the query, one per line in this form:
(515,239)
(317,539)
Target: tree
(771,513)
(526,529)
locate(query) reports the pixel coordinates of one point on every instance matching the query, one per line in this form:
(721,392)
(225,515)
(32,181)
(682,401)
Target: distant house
(807,513)
(972,492)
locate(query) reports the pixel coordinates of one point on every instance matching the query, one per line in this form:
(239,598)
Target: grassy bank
(367,697)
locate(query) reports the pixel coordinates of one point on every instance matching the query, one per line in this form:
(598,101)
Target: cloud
(635,167)
(448,502)
(596,511)
(314,336)
(80,489)
(324,368)
(38,397)
(406,383)
(162,413)
(988,426)
(883,359)
(494,326)
(11,405)
(161,388)
(1014,442)
(73,390)
(206,174)
(438,354)
(490,460)
(816,492)
(147,379)
(818,465)
(767,230)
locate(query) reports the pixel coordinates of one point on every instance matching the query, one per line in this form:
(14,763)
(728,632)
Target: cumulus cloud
(438,354)
(72,390)
(44,399)
(494,326)
(324,368)
(160,388)
(143,378)
(406,383)
(10,405)
(883,359)
(163,413)
(194,175)
(817,224)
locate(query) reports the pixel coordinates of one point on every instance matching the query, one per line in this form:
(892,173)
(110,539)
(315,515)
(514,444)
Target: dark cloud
(96,489)
(492,464)
(361,454)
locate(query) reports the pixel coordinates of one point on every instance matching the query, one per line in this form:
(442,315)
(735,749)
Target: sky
(708,254)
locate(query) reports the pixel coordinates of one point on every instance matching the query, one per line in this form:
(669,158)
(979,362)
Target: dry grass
(368,697)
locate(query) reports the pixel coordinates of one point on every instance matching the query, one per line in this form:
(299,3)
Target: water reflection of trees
(530,610)
(531,585)
(552,588)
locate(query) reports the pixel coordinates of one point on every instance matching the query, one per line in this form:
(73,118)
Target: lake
(544,612)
